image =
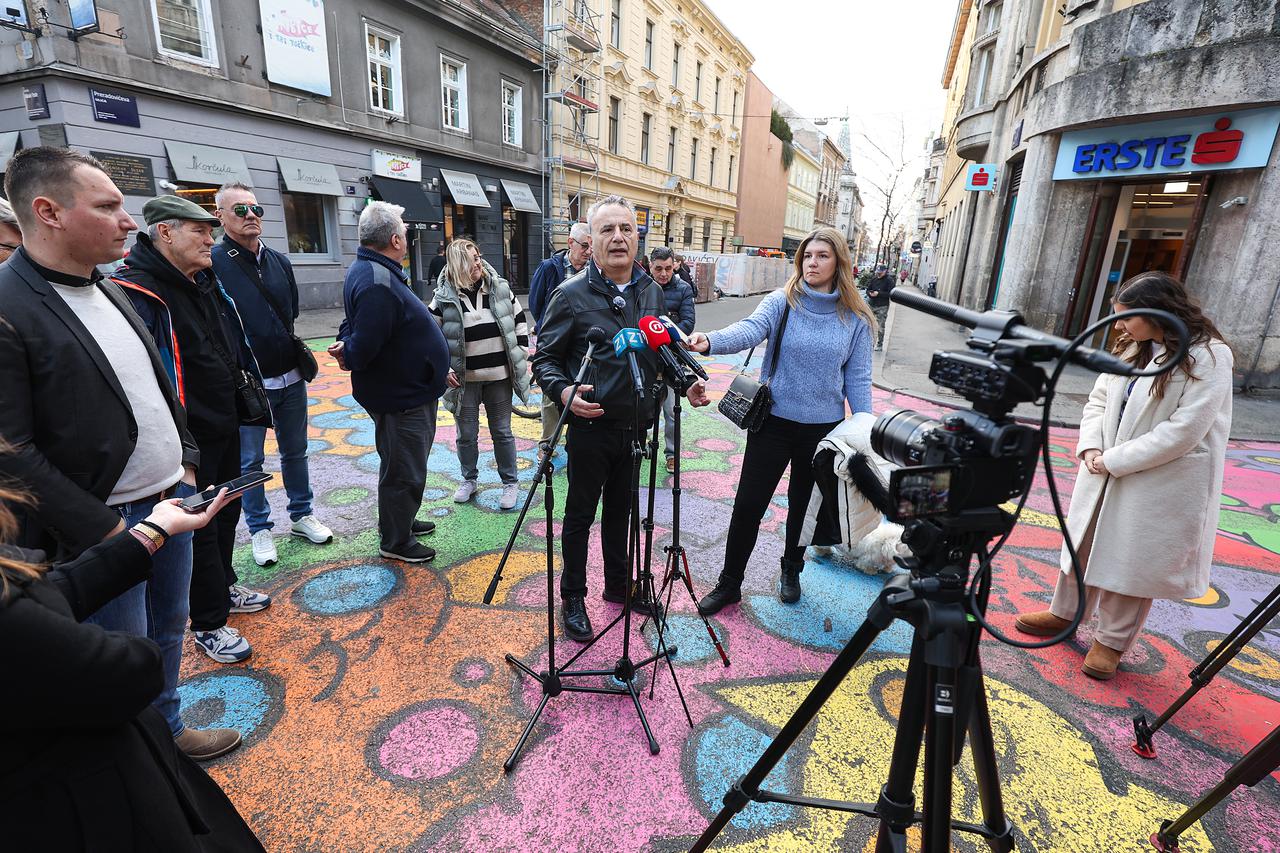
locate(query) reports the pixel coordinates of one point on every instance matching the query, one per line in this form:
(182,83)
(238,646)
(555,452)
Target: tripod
(552,679)
(677,570)
(944,696)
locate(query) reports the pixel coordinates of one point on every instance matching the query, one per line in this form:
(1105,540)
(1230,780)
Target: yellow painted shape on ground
(1209,599)
(470,579)
(1252,660)
(1053,788)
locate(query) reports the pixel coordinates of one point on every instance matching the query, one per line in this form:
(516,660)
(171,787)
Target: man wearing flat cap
(169,279)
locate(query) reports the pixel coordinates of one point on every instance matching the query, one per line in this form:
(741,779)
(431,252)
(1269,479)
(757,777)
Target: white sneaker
(225,645)
(510,496)
(264,548)
(465,491)
(245,600)
(309,527)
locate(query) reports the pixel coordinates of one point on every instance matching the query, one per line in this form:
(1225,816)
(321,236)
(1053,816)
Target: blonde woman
(824,362)
(488,339)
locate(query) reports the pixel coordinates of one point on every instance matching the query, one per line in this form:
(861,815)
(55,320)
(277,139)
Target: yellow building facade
(670,119)
(802,198)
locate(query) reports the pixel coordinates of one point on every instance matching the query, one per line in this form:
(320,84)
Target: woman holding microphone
(823,333)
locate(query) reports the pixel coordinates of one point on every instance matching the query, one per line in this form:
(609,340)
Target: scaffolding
(572,82)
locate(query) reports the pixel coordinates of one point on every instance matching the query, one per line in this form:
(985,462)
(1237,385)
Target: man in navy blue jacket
(677,295)
(398,360)
(261,282)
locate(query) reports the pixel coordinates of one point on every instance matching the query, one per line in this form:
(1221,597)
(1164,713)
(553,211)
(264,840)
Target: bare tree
(885,172)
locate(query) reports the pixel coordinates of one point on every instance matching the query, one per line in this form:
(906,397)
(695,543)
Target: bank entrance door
(1135,228)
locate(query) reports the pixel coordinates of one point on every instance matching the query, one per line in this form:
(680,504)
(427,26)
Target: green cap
(166,207)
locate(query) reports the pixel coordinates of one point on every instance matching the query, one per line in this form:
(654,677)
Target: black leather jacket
(583,301)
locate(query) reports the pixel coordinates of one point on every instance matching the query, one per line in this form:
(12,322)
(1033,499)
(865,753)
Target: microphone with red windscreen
(659,340)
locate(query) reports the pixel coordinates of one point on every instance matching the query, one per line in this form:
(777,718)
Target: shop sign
(522,197)
(655,221)
(296,45)
(399,166)
(204,164)
(465,188)
(37,102)
(982,177)
(305,176)
(1205,143)
(642,220)
(114,108)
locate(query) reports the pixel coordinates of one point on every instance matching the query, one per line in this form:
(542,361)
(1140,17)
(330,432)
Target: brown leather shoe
(207,744)
(1101,662)
(1041,624)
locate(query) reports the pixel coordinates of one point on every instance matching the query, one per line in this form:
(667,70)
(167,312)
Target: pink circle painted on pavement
(717,445)
(430,744)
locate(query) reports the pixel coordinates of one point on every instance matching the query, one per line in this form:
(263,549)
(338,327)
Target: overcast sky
(876,61)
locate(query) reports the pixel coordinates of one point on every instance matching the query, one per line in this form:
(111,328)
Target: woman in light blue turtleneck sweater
(825,361)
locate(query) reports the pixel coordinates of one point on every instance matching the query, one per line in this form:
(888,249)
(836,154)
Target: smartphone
(200,500)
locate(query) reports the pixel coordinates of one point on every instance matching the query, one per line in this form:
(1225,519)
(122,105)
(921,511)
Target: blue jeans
(289,410)
(158,608)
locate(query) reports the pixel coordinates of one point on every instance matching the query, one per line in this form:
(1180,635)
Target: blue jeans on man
(157,609)
(289,411)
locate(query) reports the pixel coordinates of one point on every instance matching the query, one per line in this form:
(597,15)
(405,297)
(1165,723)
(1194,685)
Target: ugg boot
(1042,623)
(789,585)
(1101,662)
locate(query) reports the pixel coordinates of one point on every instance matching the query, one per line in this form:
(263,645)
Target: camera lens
(899,436)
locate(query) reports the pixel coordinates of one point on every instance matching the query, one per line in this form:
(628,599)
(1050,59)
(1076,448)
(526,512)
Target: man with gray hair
(549,275)
(399,361)
(10,232)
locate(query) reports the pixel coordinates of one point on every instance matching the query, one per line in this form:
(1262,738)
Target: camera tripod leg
(1204,671)
(985,769)
(896,805)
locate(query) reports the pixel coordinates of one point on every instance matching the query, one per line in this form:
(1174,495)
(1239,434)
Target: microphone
(595,337)
(618,304)
(628,341)
(677,338)
(656,336)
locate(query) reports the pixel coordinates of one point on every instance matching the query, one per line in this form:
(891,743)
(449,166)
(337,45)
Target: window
(706,235)
(982,78)
(688,231)
(693,161)
(184,29)
(646,122)
(615,23)
(648,45)
(990,19)
(733,116)
(729,184)
(384,71)
(306,221)
(615,113)
(512,114)
(711,176)
(697,82)
(453,93)
(582,11)
(675,65)
(715,103)
(671,152)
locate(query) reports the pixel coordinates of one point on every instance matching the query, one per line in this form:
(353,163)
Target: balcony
(973,133)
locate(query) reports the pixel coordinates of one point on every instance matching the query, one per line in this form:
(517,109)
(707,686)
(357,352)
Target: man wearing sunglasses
(261,282)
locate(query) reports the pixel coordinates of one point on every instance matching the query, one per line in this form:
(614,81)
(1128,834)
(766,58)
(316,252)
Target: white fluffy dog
(874,553)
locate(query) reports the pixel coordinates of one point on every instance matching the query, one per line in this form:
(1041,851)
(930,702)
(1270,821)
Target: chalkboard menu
(132,175)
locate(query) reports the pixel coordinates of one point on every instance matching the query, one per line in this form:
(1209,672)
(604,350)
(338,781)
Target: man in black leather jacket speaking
(612,293)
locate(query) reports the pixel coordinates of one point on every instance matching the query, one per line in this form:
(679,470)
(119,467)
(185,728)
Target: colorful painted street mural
(378,707)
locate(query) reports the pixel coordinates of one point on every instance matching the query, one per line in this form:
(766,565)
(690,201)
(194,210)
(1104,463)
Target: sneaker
(264,548)
(309,527)
(225,645)
(422,528)
(510,496)
(207,744)
(465,491)
(414,552)
(671,464)
(245,600)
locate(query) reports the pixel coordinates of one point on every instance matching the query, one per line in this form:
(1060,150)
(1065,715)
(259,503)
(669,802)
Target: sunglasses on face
(242,210)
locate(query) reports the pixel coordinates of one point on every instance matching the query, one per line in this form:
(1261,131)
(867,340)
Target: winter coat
(838,513)
(678,299)
(446,297)
(546,278)
(240,274)
(1157,508)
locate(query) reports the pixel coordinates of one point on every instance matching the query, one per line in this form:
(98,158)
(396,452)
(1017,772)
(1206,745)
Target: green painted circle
(346,497)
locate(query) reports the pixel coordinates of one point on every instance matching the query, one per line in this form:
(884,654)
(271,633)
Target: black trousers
(213,544)
(404,443)
(779,443)
(599,466)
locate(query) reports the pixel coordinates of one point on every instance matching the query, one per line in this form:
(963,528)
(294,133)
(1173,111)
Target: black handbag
(308,367)
(252,405)
(748,401)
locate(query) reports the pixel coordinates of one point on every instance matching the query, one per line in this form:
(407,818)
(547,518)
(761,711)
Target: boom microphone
(677,338)
(628,341)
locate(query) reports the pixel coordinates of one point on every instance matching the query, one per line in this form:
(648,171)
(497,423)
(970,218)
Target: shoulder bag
(747,402)
(252,404)
(308,367)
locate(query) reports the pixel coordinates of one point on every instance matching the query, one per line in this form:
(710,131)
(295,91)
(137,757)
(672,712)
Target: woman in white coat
(1144,511)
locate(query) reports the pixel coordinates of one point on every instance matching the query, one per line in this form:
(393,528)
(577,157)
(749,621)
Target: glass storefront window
(305,225)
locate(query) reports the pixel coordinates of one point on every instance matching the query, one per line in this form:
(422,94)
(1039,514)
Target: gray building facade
(320,106)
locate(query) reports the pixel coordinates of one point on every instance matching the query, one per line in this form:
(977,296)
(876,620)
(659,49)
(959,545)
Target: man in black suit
(91,407)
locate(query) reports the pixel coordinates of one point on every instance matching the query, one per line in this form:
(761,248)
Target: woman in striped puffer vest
(488,339)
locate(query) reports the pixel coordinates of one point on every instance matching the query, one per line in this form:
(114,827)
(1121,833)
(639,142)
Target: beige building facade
(671,111)
(802,198)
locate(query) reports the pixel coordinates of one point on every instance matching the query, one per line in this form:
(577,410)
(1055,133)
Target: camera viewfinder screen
(921,492)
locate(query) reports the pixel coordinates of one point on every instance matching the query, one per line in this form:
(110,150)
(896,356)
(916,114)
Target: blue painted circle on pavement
(234,700)
(346,590)
(726,750)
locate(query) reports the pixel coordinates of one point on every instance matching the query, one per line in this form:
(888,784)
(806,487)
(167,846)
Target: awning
(522,198)
(8,144)
(203,164)
(465,188)
(418,206)
(306,176)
